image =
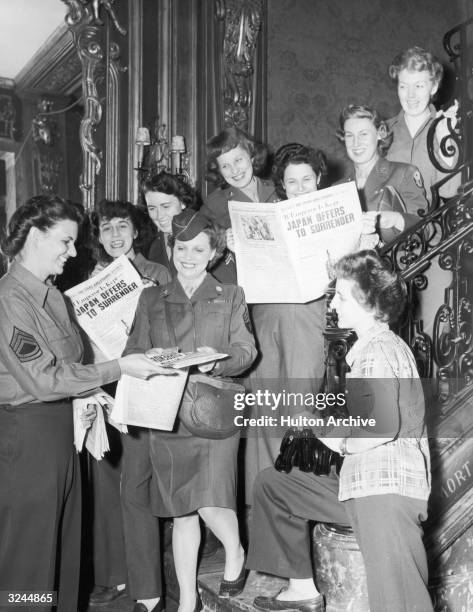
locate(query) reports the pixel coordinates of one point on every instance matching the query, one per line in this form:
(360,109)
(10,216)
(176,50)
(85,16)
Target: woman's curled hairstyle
(225,141)
(42,212)
(111,209)
(360,111)
(416,59)
(170,184)
(376,285)
(295,153)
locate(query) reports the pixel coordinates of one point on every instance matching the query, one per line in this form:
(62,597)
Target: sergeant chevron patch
(24,345)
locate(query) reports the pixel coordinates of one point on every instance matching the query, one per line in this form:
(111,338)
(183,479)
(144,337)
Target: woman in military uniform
(195,476)
(123,542)
(289,336)
(233,161)
(40,370)
(391,193)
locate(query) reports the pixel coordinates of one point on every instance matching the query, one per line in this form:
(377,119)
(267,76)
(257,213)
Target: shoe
(232,588)
(140,607)
(316,604)
(104,595)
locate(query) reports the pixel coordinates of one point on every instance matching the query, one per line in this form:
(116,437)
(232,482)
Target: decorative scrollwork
(108,6)
(445,234)
(7,116)
(242,25)
(84,23)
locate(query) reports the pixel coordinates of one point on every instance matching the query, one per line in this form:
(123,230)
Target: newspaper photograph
(282,249)
(105,305)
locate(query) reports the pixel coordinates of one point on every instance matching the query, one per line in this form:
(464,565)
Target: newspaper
(95,436)
(105,305)
(173,358)
(151,403)
(282,249)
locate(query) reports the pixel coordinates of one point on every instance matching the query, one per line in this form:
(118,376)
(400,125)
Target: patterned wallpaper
(324,54)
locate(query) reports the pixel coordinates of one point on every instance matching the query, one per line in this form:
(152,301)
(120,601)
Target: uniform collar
(36,288)
(264,188)
(139,260)
(210,288)
(401,118)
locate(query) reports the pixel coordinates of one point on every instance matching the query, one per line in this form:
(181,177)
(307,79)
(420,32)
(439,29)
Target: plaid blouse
(384,384)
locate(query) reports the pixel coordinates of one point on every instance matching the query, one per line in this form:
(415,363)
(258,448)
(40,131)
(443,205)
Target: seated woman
(391,193)
(195,476)
(166,195)
(233,161)
(122,541)
(385,478)
(289,336)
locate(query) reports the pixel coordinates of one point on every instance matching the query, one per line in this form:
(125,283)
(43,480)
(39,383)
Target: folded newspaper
(95,436)
(175,359)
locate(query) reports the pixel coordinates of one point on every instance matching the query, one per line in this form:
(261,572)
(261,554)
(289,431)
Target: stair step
(256,584)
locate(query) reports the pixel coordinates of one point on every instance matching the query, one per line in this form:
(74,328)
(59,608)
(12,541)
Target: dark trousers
(108,543)
(387,529)
(40,503)
(141,528)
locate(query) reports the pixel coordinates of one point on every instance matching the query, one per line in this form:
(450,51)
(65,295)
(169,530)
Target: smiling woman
(40,370)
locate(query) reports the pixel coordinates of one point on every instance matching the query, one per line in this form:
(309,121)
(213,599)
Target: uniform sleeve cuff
(109,371)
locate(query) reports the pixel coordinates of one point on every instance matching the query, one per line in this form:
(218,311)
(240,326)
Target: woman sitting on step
(384,482)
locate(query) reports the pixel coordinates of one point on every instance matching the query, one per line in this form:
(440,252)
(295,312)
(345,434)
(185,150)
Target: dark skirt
(40,502)
(191,473)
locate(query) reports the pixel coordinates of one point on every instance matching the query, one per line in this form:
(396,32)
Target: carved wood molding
(243,20)
(86,25)
(55,67)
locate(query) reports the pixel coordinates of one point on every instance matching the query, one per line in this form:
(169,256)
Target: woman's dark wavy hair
(360,111)
(217,241)
(416,59)
(168,183)
(295,153)
(376,285)
(42,212)
(110,209)
(227,140)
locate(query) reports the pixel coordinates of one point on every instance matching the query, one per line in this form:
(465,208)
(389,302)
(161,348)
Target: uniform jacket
(216,315)
(157,253)
(406,180)
(413,150)
(216,208)
(152,271)
(40,348)
(216,204)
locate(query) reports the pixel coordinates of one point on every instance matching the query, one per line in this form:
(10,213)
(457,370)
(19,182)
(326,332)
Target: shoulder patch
(418,179)
(247,320)
(24,345)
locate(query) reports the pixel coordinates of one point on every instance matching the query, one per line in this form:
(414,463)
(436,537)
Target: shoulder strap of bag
(169,325)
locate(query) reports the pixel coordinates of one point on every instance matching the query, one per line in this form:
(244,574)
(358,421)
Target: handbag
(206,408)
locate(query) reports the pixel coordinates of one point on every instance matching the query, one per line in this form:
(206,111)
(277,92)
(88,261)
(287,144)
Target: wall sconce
(160,156)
